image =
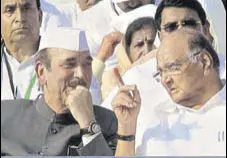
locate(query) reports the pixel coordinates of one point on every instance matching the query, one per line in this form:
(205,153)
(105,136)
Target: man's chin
(181,101)
(177,98)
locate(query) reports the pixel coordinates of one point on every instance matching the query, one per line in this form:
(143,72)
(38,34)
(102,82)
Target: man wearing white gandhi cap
(63,120)
(68,41)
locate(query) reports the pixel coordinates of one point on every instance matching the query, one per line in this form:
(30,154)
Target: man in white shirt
(189,71)
(20,23)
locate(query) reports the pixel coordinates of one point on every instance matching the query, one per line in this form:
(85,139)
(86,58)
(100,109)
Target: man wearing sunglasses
(172,15)
(188,68)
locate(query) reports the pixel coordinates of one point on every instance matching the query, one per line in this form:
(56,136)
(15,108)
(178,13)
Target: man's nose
(79,72)
(166,79)
(20,15)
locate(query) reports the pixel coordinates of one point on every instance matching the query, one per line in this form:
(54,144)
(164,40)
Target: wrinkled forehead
(172,51)
(17,2)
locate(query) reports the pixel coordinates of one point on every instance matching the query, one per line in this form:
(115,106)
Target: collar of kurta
(44,110)
(29,61)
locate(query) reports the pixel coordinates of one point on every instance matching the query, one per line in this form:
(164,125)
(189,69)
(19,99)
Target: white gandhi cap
(64,37)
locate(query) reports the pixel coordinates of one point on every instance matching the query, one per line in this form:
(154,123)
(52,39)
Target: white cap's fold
(64,37)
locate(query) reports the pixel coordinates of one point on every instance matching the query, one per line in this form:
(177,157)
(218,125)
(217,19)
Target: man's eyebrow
(169,64)
(70,59)
(26,4)
(10,5)
(175,63)
(169,23)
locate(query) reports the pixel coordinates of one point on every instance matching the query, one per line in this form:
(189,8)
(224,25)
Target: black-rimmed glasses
(173,68)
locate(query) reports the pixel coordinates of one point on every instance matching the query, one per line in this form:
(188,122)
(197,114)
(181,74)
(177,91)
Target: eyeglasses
(175,68)
(173,26)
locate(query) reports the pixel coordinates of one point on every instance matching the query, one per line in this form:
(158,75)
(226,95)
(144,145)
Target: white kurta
(152,94)
(22,75)
(176,134)
(54,16)
(186,132)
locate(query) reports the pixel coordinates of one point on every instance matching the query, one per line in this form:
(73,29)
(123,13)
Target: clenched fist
(79,102)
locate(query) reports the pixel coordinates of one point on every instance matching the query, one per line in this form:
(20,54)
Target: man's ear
(207,62)
(40,73)
(207,33)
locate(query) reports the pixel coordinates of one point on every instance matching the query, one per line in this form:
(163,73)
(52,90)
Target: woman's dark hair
(136,26)
(191,4)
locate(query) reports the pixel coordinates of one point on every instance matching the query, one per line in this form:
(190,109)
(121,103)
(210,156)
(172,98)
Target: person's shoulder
(107,120)
(9,107)
(15,103)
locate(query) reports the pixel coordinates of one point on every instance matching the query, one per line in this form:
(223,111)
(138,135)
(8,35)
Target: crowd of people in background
(113,78)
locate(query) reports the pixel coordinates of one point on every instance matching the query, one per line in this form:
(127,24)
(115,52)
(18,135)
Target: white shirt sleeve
(87,139)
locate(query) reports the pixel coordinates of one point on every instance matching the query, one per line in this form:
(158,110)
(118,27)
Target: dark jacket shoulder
(10,107)
(107,120)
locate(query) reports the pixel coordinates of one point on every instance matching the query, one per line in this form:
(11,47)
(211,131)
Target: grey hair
(198,43)
(44,58)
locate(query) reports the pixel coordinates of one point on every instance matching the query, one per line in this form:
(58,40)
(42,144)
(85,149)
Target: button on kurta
(53,131)
(40,153)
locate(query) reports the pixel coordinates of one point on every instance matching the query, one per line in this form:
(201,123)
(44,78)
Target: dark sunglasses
(170,27)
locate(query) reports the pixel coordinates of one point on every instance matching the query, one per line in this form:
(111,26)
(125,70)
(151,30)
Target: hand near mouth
(79,102)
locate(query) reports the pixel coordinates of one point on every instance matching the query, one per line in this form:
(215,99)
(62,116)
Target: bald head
(184,42)
(177,44)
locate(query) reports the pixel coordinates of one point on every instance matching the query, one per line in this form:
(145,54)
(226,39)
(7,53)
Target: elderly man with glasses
(188,68)
(199,15)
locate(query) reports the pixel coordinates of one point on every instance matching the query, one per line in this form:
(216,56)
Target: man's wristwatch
(94,128)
